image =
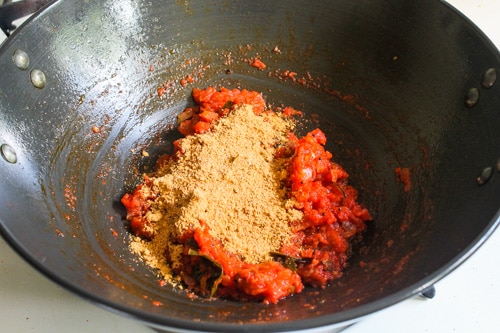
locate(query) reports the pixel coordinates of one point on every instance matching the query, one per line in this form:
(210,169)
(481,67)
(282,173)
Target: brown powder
(229,179)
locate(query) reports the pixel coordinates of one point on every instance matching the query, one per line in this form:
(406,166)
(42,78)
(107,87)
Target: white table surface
(467,300)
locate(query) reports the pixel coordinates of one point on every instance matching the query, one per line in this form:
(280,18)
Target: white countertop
(467,300)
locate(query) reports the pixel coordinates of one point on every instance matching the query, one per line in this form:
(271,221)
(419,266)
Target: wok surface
(408,111)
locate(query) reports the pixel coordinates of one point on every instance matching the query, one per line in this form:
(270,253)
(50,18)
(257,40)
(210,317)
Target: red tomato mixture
(319,247)
(213,104)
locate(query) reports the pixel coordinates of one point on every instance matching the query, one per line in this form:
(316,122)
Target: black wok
(392,83)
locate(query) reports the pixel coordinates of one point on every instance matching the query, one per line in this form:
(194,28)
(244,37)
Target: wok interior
(385,83)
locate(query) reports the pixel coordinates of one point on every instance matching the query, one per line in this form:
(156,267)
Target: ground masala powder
(244,209)
(229,178)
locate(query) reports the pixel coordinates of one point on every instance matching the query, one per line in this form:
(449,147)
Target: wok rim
(321,323)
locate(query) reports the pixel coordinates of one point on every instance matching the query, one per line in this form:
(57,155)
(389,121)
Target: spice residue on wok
(243,208)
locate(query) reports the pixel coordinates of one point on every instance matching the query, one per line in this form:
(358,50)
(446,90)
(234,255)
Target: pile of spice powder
(230,179)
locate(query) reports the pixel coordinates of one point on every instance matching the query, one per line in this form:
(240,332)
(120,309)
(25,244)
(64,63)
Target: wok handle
(429,292)
(11,11)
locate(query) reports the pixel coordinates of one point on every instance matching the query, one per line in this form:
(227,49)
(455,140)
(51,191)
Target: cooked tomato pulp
(318,248)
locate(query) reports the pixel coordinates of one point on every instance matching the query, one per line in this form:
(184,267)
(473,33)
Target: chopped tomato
(161,91)
(208,116)
(289,112)
(201,127)
(267,281)
(331,214)
(137,207)
(213,104)
(257,63)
